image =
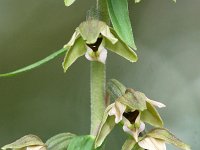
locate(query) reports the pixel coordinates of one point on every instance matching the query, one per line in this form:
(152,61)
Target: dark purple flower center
(96,45)
(131,116)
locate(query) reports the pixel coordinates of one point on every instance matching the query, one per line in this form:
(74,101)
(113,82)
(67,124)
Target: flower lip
(95,45)
(131,116)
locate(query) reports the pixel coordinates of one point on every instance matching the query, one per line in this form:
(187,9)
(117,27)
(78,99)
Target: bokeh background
(46,101)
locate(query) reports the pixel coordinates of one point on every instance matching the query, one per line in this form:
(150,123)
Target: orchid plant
(112,104)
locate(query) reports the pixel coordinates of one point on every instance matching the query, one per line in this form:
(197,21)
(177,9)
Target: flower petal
(107,34)
(89,53)
(90,30)
(36,148)
(132,129)
(72,40)
(152,144)
(121,48)
(76,51)
(118,109)
(106,126)
(102,54)
(155,103)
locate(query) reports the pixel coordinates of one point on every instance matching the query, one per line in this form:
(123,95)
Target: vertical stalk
(103,11)
(98,79)
(97,86)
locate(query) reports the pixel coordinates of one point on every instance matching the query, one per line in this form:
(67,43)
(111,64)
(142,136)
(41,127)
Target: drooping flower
(132,109)
(93,38)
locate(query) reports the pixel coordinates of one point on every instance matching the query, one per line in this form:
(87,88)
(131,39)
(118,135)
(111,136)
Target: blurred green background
(46,101)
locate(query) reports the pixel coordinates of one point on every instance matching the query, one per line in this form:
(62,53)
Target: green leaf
(164,134)
(121,48)
(151,116)
(60,141)
(69,2)
(107,124)
(85,142)
(119,14)
(129,144)
(115,89)
(75,51)
(25,141)
(37,64)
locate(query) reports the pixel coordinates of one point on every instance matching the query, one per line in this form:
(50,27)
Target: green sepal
(68,2)
(119,15)
(115,89)
(106,126)
(90,30)
(151,116)
(133,101)
(75,51)
(129,144)
(25,141)
(85,142)
(59,141)
(37,64)
(167,136)
(121,48)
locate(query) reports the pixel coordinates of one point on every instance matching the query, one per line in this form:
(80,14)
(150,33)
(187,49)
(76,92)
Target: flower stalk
(97,85)
(98,79)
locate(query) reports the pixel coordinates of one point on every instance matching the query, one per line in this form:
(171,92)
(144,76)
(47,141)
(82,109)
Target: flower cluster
(132,109)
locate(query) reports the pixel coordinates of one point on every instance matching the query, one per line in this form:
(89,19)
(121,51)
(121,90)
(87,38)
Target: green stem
(98,79)
(103,11)
(97,86)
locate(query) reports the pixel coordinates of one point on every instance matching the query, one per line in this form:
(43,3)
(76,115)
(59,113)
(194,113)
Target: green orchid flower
(93,38)
(132,109)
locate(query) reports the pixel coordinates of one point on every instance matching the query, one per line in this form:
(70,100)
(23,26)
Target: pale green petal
(151,116)
(25,141)
(69,2)
(74,52)
(132,102)
(152,144)
(90,30)
(155,103)
(107,34)
(164,134)
(121,48)
(72,40)
(129,144)
(36,148)
(107,124)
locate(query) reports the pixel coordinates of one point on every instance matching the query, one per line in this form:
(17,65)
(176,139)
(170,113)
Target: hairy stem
(98,79)
(103,11)
(97,86)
